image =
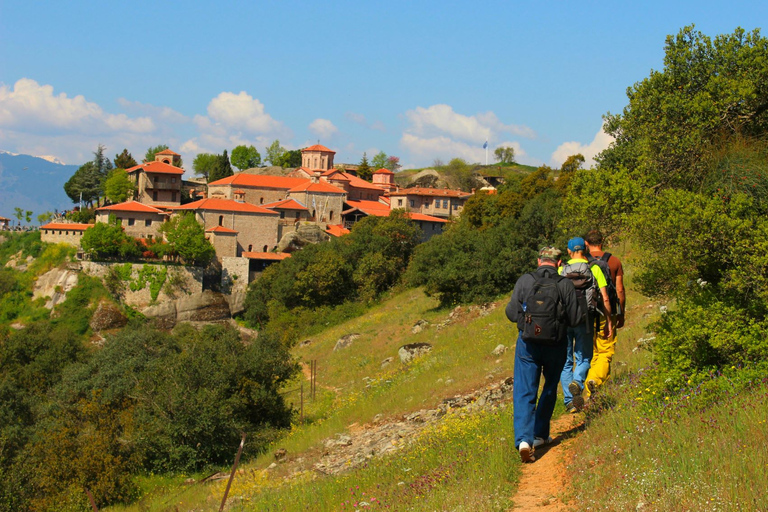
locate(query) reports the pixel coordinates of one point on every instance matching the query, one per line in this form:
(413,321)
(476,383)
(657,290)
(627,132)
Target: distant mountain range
(33,183)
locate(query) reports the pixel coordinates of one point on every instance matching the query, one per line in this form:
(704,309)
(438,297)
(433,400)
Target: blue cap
(576,244)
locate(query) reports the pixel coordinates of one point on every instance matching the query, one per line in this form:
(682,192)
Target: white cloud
(601,141)
(356,117)
(440,120)
(378,126)
(445,148)
(242,112)
(323,128)
(31,107)
(165,114)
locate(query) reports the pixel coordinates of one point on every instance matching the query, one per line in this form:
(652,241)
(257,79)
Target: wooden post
(90,498)
(232,475)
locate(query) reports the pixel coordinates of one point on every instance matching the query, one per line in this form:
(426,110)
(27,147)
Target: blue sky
(420,80)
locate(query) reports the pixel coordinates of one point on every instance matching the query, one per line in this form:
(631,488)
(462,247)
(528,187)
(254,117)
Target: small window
(437,203)
(221,220)
(154,196)
(266,248)
(173,179)
(148,222)
(66,232)
(413,203)
(261,200)
(298,215)
(250,248)
(399,202)
(173,196)
(445,203)
(131,222)
(330,215)
(282,215)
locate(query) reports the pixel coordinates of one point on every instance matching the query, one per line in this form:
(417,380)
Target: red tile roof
(222,229)
(425,218)
(167,152)
(439,192)
(369,207)
(66,226)
(317,147)
(259,181)
(337,230)
(277,256)
(356,182)
(130,206)
(157,168)
(224,205)
(308,186)
(286,204)
(383,171)
(238,191)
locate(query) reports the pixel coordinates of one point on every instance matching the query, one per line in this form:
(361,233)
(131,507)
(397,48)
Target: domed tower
(317,157)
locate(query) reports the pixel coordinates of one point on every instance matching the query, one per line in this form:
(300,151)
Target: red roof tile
(167,152)
(259,181)
(369,206)
(356,182)
(308,186)
(157,168)
(66,226)
(222,229)
(317,147)
(425,218)
(337,230)
(436,192)
(224,205)
(277,256)
(286,204)
(383,171)
(131,206)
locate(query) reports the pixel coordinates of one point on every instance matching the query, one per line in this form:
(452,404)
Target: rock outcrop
(54,284)
(305,234)
(204,306)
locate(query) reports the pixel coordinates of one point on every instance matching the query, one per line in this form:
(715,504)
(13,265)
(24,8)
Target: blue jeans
(531,419)
(578,356)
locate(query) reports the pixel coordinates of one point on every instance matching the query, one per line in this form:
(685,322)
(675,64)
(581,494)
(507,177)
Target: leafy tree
(393,163)
(85,184)
(274,153)
(153,150)
(125,160)
(245,157)
(221,169)
(379,161)
(290,158)
(708,90)
(572,164)
(364,169)
(505,155)
(44,218)
(186,238)
(19,214)
(118,187)
(104,240)
(204,163)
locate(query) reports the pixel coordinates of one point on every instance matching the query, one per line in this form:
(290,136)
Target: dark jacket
(571,309)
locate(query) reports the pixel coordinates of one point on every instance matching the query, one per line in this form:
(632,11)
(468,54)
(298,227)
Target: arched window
(330,215)
(250,248)
(221,220)
(266,248)
(261,200)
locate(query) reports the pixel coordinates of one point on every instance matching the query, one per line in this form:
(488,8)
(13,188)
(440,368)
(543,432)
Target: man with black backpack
(543,305)
(592,292)
(604,343)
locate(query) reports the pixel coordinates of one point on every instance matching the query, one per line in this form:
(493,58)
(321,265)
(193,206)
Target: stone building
(323,200)
(384,179)
(253,227)
(63,233)
(158,183)
(437,202)
(257,189)
(137,219)
(356,210)
(292,213)
(317,157)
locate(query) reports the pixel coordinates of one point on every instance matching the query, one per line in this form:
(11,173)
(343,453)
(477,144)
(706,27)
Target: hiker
(591,286)
(543,305)
(604,344)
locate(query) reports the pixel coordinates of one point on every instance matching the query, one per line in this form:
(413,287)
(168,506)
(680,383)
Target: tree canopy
(505,155)
(186,238)
(245,157)
(379,161)
(118,187)
(221,168)
(204,164)
(125,160)
(364,169)
(274,153)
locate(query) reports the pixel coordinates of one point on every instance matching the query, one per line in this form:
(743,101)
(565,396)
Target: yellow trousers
(602,354)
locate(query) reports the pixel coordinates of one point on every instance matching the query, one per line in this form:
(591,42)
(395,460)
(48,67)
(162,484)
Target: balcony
(162,186)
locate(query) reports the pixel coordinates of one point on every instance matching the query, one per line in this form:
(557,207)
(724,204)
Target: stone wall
(61,236)
(254,230)
(235,278)
(179,282)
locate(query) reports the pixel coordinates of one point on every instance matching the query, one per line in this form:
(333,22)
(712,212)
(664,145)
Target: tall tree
(118,187)
(85,184)
(274,153)
(364,169)
(186,238)
(379,161)
(505,155)
(204,163)
(291,158)
(125,160)
(245,157)
(222,168)
(393,163)
(707,91)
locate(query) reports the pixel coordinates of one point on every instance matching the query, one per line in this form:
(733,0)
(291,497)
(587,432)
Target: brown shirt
(614,264)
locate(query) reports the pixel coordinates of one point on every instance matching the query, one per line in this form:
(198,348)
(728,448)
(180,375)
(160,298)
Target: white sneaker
(526,452)
(540,441)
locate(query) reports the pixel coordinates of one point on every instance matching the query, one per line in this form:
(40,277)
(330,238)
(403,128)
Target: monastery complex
(246,215)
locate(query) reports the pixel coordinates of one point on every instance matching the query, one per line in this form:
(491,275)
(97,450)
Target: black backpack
(613,296)
(543,311)
(584,281)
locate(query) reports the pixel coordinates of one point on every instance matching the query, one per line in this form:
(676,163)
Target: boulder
(206,306)
(345,341)
(304,235)
(419,326)
(164,314)
(107,316)
(500,349)
(411,351)
(55,284)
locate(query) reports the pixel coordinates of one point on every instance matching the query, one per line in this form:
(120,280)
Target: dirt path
(543,482)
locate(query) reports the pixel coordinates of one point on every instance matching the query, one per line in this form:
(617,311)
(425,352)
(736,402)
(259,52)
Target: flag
(485,146)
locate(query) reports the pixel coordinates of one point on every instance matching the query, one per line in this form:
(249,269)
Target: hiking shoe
(540,441)
(572,410)
(575,388)
(526,452)
(578,403)
(591,387)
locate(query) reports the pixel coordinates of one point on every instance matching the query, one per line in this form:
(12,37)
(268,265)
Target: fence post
(232,475)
